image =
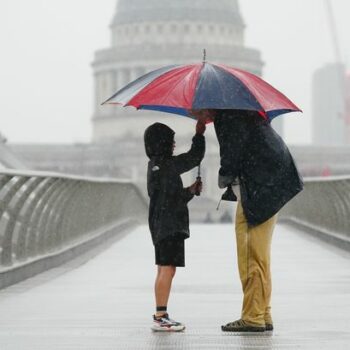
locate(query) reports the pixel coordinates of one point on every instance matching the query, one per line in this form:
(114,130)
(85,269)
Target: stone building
(146,35)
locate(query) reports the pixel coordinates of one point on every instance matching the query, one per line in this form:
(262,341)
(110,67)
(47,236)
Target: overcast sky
(47,46)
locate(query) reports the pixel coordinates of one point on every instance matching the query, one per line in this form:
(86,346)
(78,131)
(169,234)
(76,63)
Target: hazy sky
(47,47)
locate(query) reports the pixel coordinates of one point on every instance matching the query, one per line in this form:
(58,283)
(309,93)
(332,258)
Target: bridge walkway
(106,302)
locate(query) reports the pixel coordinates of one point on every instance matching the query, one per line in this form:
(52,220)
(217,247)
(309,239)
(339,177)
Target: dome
(131,11)
(148,34)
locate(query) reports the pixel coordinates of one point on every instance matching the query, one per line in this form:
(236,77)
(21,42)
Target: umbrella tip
(204,55)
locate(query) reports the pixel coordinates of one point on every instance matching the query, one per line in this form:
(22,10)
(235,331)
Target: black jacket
(168,212)
(252,152)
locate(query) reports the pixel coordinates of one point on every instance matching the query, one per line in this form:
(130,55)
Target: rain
(161,162)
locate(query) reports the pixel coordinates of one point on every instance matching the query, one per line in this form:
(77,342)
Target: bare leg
(162,285)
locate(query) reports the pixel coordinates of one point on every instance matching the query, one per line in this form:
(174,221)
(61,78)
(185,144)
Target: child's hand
(196,188)
(200,127)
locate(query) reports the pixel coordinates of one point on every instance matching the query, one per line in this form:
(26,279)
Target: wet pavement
(107,302)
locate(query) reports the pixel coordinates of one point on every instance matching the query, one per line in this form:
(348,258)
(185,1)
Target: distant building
(150,34)
(347,108)
(328,101)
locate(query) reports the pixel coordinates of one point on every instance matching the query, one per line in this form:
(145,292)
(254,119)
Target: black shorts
(170,252)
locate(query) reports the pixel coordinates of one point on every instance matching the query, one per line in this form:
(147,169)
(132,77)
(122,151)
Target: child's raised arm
(189,160)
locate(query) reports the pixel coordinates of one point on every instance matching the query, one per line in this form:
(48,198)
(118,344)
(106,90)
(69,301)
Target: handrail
(36,173)
(43,212)
(326,178)
(323,206)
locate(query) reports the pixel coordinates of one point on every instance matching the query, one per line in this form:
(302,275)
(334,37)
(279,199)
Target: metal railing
(323,206)
(45,213)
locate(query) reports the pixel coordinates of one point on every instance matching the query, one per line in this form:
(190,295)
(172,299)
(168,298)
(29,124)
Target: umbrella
(180,88)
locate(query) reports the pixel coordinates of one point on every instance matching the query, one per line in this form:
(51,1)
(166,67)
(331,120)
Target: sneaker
(269,327)
(242,326)
(166,324)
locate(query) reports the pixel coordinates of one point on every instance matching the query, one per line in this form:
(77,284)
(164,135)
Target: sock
(161,310)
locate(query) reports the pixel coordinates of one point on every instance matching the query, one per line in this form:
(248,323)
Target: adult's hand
(224,181)
(203,115)
(200,127)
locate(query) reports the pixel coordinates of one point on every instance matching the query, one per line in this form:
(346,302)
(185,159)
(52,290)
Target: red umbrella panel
(180,88)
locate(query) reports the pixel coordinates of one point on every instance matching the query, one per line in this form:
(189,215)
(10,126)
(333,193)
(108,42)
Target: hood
(159,139)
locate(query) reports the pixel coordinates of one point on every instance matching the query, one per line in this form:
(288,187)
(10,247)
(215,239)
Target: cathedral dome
(148,34)
(131,11)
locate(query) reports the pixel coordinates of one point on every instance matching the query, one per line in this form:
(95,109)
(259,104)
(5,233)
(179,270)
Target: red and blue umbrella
(180,88)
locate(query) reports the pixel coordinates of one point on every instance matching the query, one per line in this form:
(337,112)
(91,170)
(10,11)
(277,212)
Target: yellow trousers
(253,253)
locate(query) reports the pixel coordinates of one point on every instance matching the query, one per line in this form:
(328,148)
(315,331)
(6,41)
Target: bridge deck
(107,302)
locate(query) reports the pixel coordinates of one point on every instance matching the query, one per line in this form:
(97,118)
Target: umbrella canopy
(180,88)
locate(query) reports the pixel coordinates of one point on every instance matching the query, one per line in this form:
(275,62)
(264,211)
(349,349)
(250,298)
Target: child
(168,212)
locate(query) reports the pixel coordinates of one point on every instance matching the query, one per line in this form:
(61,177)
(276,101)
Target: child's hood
(159,139)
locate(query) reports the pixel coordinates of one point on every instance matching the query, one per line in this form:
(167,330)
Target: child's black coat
(168,212)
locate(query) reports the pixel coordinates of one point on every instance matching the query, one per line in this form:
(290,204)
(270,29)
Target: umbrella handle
(199,182)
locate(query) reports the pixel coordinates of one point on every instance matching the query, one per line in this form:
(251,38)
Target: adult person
(258,171)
